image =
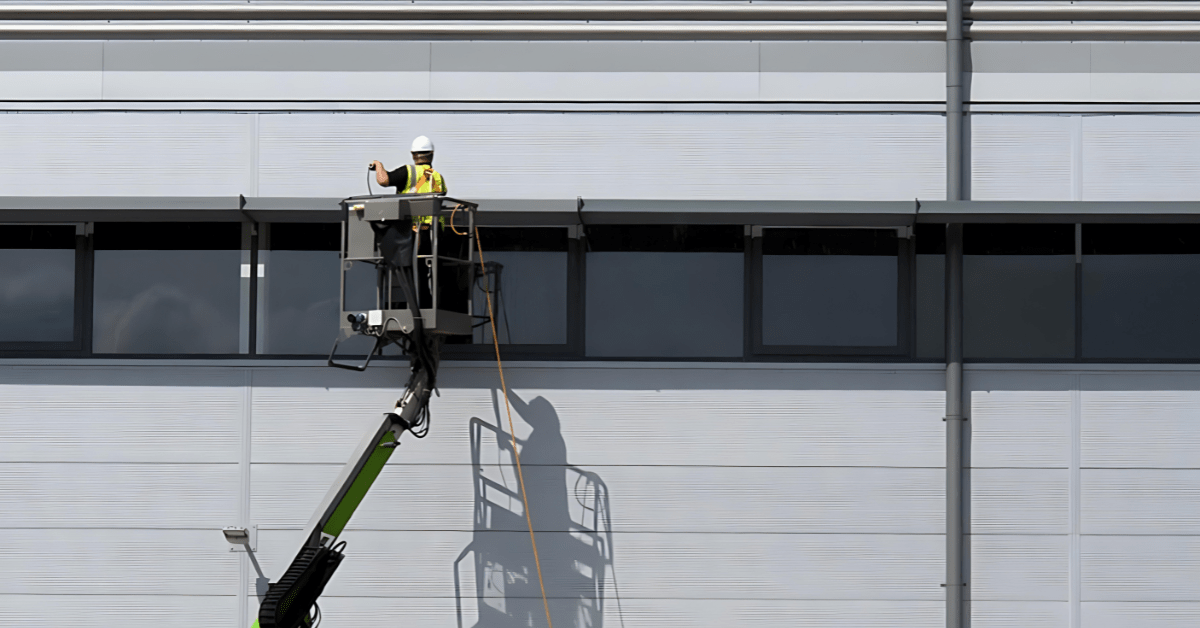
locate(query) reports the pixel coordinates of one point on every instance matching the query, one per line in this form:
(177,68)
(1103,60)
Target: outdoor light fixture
(236,535)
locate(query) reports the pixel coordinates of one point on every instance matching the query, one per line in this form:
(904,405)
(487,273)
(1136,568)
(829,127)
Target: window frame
(248,250)
(905,321)
(81,327)
(573,348)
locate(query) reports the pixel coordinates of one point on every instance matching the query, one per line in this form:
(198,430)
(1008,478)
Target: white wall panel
(126,611)
(88,495)
(642,498)
(51,85)
(1018,428)
(120,415)
(1140,568)
(792,427)
(1019,501)
(1019,568)
(1140,501)
(1141,158)
(1021,158)
(660,565)
(117,562)
(1138,420)
(1030,87)
(594,86)
(851,86)
(126,154)
(1006,614)
(659,613)
(650,156)
(250,85)
(1140,614)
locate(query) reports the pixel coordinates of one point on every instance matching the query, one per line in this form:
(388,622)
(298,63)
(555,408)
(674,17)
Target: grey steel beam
(597,31)
(612,11)
(1006,10)
(479,31)
(1096,31)
(619,11)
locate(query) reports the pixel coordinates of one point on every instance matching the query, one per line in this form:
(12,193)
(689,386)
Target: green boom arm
(289,601)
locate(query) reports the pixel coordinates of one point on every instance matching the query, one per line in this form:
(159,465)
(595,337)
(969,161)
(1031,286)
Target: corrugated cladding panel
(1140,501)
(126,154)
(126,611)
(90,495)
(1019,501)
(663,427)
(1139,614)
(1006,614)
(131,415)
(620,609)
(1019,428)
(617,155)
(1140,568)
(117,562)
(1021,158)
(1140,420)
(1019,568)
(648,565)
(643,498)
(1141,158)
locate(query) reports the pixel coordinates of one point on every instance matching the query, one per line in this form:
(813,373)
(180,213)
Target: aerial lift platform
(422,247)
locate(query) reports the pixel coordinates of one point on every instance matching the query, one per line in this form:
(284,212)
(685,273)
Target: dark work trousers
(453,278)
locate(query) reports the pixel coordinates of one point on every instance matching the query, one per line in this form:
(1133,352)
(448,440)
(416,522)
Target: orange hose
(512,431)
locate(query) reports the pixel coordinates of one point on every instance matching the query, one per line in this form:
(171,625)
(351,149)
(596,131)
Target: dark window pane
(37,283)
(531,304)
(666,238)
(1019,291)
(168,288)
(930,286)
(302,236)
(830,287)
(168,236)
(1018,239)
(1139,291)
(361,286)
(648,297)
(299,288)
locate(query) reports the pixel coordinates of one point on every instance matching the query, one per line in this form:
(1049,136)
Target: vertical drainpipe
(955,582)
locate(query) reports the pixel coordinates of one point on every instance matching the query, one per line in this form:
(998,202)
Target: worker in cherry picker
(418,178)
(421,178)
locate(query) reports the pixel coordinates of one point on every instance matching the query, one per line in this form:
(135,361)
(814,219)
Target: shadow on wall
(570,513)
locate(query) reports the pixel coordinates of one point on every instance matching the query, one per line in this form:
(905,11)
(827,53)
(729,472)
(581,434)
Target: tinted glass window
(37,283)
(531,303)
(830,287)
(1018,291)
(930,290)
(299,288)
(1139,291)
(665,291)
(168,288)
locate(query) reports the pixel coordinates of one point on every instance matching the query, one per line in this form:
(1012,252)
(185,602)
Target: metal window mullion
(755,290)
(748,280)
(1078,291)
(577,293)
(252,314)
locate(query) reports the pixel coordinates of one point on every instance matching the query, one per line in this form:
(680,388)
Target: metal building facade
(724,492)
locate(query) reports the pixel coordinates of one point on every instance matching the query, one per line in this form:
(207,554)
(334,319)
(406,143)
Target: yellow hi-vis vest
(424,179)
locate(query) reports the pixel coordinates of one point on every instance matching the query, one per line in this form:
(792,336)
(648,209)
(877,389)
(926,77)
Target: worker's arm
(381,175)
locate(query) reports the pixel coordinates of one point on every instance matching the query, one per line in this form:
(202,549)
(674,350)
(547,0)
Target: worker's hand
(375,165)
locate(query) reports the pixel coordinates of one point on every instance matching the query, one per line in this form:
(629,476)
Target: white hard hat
(422,145)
